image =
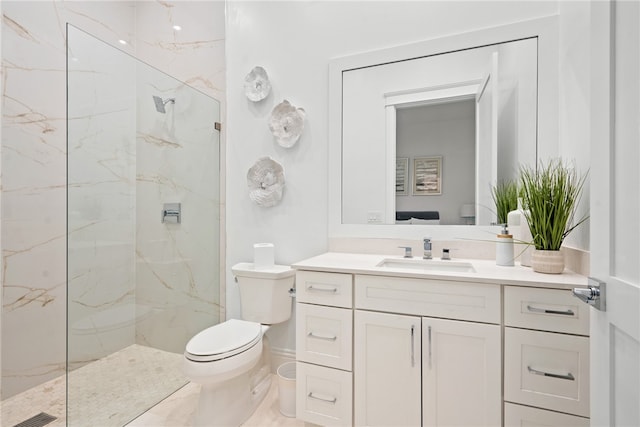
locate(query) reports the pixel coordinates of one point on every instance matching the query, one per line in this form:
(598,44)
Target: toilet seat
(223,340)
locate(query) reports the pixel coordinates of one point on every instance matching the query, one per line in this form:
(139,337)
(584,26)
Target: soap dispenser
(504,248)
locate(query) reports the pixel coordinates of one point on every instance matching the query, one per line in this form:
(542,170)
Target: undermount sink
(419,264)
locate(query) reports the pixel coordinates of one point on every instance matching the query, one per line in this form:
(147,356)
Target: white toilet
(231,360)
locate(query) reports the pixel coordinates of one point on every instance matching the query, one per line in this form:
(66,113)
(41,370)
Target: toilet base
(230,403)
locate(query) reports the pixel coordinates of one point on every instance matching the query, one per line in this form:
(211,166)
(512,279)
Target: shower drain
(37,420)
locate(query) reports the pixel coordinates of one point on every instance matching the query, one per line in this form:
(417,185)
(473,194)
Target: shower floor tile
(143,376)
(113,388)
(48,397)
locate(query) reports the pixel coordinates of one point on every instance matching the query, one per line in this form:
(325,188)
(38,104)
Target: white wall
(575,100)
(295,41)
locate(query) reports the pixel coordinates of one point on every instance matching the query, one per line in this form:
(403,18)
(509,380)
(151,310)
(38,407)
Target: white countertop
(486,271)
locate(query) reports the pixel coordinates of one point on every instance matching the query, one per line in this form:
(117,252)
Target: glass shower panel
(140,284)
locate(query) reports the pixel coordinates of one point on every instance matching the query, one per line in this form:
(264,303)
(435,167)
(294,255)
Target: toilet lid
(223,340)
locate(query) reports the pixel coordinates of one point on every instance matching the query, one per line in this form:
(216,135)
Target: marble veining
(34,187)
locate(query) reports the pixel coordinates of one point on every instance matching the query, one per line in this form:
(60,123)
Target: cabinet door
(387,380)
(461,366)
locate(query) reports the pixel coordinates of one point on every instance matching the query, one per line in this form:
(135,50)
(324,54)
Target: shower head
(160,103)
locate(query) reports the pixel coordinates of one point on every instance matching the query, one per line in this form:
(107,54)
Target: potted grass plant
(550,194)
(505,197)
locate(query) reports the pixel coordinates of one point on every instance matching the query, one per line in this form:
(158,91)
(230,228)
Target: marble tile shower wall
(101,198)
(34,151)
(177,265)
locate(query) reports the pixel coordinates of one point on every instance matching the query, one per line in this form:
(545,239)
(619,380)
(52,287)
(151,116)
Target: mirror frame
(546,31)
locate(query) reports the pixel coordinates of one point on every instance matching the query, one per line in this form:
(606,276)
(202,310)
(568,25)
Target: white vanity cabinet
(412,370)
(506,347)
(546,351)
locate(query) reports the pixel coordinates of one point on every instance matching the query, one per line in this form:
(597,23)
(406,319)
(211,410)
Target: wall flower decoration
(287,123)
(257,85)
(266,182)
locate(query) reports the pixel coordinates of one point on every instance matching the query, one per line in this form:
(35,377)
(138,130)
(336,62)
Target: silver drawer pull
(322,337)
(324,399)
(568,376)
(547,311)
(315,288)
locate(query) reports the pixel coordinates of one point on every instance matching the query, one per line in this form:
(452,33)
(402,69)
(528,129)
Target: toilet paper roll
(263,258)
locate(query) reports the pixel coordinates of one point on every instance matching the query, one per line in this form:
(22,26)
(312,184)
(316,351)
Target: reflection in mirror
(424,139)
(451,128)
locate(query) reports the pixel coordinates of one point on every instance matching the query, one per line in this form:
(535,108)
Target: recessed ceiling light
(177,27)
(122,41)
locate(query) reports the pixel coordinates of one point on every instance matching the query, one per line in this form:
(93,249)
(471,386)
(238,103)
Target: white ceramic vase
(551,262)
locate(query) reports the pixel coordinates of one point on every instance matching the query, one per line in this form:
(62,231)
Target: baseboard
(280,356)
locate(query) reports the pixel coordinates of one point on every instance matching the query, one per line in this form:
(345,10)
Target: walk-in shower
(137,288)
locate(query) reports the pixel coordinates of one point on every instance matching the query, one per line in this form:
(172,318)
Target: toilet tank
(264,293)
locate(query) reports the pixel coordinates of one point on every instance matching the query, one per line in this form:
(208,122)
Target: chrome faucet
(407,251)
(427,248)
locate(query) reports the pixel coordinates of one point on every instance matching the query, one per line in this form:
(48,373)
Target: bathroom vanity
(394,341)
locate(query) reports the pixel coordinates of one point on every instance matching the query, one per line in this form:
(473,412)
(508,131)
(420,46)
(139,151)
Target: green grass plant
(550,195)
(505,197)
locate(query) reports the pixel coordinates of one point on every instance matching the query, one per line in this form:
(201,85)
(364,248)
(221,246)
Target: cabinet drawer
(323,335)
(545,309)
(323,395)
(435,298)
(332,289)
(518,416)
(547,370)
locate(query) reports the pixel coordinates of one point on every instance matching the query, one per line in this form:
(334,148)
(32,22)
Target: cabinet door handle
(429,339)
(322,398)
(568,376)
(316,288)
(413,346)
(547,311)
(322,337)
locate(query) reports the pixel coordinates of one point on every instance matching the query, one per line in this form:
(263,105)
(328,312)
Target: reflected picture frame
(402,176)
(427,176)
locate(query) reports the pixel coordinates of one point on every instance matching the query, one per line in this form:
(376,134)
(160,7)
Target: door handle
(413,346)
(594,294)
(429,339)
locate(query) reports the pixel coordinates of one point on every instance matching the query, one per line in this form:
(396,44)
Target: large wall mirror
(420,133)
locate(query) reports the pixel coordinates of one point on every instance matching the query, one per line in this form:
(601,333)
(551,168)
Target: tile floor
(144,376)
